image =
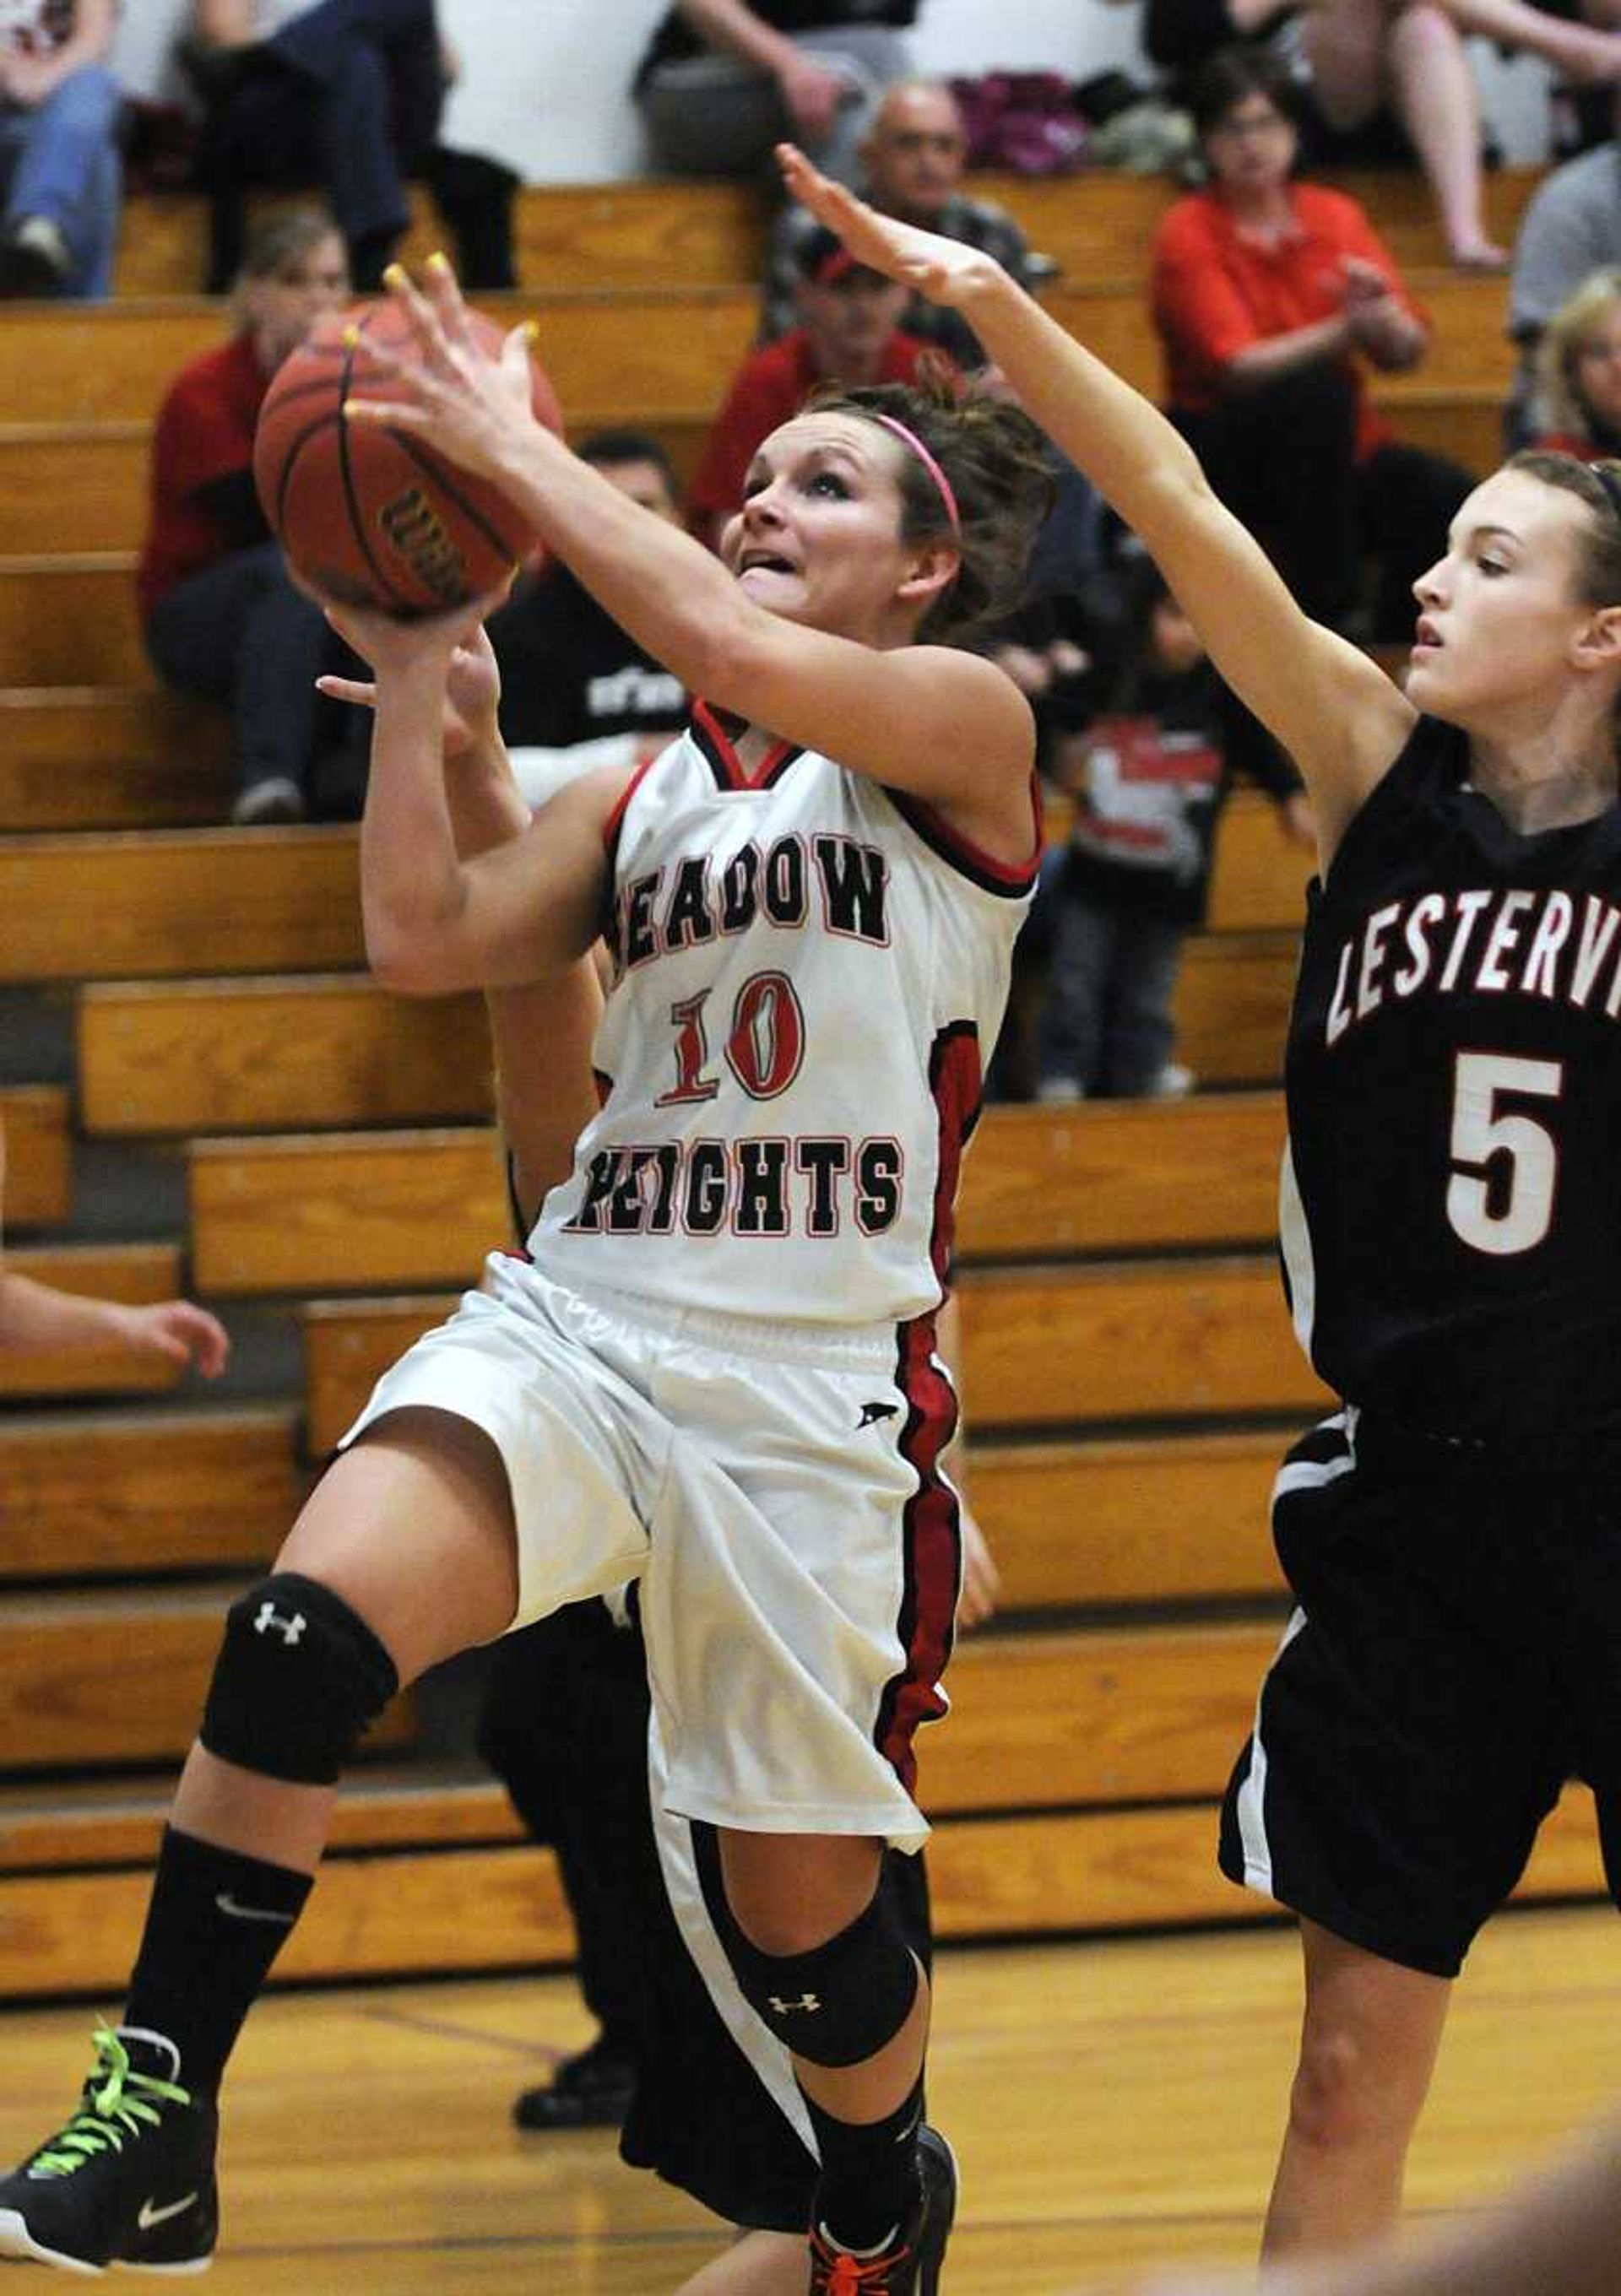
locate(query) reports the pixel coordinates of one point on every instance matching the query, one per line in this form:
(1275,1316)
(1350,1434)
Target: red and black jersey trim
(715,732)
(931,1555)
(931,1531)
(1012,880)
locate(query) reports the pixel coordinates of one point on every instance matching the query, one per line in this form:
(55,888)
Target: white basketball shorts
(774,1488)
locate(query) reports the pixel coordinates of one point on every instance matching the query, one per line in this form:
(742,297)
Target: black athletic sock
(216,1922)
(868,2183)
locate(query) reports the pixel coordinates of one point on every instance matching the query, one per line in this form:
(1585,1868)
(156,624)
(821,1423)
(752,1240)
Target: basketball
(369,516)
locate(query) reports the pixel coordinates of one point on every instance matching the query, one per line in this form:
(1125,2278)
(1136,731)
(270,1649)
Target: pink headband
(942,485)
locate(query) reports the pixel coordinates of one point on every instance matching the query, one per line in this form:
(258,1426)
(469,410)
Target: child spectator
(912,167)
(60,111)
(1579,371)
(1571,229)
(849,332)
(570,675)
(1147,776)
(220,615)
(1267,293)
(723,81)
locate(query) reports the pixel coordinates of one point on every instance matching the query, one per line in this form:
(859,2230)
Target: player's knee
(1340,2100)
(299,1676)
(838,2003)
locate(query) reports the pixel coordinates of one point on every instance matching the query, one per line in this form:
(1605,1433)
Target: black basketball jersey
(1449,1207)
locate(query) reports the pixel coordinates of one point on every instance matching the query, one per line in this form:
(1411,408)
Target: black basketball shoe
(909,2264)
(130,2179)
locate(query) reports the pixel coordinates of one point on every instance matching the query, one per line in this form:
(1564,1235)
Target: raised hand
(472,689)
(473,408)
(942,270)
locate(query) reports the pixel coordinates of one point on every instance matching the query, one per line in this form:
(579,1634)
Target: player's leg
(819,1955)
(1412,1680)
(758,2264)
(1368,2048)
(404,1554)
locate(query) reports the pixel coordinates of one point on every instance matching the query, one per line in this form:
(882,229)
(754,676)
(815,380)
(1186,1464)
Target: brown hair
(280,239)
(1599,486)
(1002,473)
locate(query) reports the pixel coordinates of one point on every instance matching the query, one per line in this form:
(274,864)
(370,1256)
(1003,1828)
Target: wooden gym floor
(1111,2104)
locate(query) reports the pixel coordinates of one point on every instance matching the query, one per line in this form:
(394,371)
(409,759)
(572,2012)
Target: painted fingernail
(351,338)
(532,331)
(395,275)
(439,260)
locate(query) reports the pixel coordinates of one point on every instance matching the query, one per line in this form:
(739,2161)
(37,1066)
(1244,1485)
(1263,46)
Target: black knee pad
(299,1676)
(840,2003)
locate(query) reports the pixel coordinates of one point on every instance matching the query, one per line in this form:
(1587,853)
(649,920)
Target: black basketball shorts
(1455,1657)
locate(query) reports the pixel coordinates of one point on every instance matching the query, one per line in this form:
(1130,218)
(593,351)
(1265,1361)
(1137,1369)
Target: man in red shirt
(849,332)
(220,616)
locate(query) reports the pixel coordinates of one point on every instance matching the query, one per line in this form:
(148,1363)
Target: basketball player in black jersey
(1453,1534)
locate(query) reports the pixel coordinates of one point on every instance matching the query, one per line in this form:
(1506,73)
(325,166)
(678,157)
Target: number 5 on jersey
(1494,1207)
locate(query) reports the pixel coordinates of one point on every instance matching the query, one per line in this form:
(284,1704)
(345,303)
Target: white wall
(545,82)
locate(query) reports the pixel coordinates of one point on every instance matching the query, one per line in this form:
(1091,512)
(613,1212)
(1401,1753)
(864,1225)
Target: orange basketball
(367,513)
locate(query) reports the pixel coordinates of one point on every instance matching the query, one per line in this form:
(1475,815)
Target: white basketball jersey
(811,972)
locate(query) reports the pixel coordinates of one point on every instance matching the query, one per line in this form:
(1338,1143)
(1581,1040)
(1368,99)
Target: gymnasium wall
(544,81)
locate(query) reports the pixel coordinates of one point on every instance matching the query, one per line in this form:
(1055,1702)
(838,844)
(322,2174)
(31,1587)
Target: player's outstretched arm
(1333,709)
(941,722)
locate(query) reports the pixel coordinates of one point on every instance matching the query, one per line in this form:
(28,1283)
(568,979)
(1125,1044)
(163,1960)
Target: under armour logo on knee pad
(807,2001)
(289,1629)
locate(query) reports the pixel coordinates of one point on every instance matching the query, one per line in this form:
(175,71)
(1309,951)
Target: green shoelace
(119,2101)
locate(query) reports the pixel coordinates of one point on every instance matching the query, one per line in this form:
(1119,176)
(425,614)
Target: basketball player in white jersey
(716,1375)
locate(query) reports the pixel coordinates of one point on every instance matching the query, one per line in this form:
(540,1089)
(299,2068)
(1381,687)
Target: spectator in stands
(850,332)
(341,95)
(912,167)
(37,1316)
(1145,768)
(1571,229)
(1266,294)
(1352,59)
(571,679)
(723,81)
(220,613)
(1579,371)
(60,112)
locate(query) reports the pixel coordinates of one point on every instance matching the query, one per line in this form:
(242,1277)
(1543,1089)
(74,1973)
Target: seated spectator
(1144,763)
(1267,294)
(912,167)
(1353,59)
(1571,229)
(849,332)
(342,96)
(570,675)
(1579,371)
(60,115)
(723,81)
(221,614)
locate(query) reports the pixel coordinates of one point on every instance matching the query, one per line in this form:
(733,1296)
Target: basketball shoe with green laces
(908,2265)
(129,2180)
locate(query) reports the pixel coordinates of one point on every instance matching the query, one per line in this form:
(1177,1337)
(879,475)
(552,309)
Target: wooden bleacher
(1128,1370)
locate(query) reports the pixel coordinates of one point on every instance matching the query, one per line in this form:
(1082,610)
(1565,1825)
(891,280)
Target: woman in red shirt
(220,615)
(1269,295)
